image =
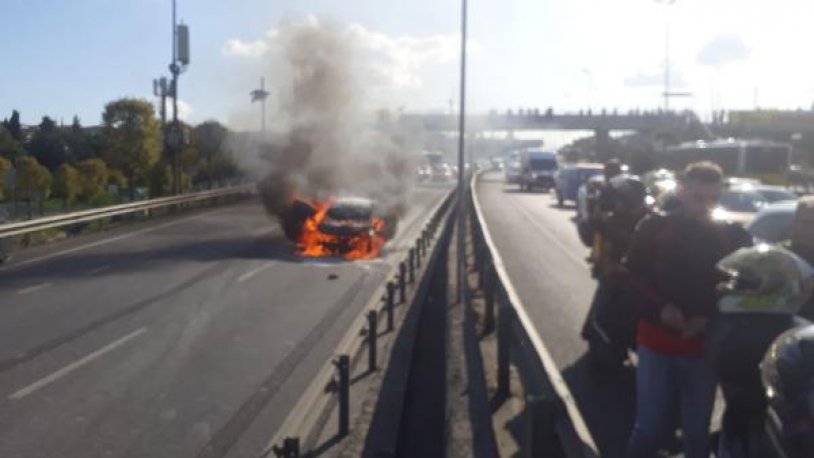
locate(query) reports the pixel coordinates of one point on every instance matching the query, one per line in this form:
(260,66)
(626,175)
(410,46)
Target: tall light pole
(260,95)
(667,4)
(461,248)
(180,61)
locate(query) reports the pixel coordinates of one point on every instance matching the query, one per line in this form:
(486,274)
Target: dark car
(568,180)
(774,222)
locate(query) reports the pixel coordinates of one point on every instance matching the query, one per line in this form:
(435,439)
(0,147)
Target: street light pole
(461,247)
(174,135)
(667,4)
(260,95)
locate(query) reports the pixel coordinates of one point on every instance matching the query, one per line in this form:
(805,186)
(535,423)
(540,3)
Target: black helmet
(628,190)
(788,377)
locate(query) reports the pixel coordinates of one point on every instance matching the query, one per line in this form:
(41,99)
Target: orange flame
(314,243)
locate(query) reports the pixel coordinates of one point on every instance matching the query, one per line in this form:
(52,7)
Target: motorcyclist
(788,377)
(609,330)
(764,288)
(601,205)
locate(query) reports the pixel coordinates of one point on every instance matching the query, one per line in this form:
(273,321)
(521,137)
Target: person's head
(699,189)
(612,169)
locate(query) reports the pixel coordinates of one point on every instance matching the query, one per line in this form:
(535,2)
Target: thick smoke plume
(333,145)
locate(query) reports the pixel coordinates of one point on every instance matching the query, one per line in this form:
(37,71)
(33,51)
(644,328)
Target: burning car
(347,227)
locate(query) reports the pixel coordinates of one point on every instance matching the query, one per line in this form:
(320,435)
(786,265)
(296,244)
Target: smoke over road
(332,145)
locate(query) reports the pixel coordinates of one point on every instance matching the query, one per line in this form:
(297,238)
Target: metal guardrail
(331,386)
(555,423)
(67,219)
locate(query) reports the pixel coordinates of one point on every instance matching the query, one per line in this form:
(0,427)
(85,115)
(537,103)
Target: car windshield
(777,195)
(542,164)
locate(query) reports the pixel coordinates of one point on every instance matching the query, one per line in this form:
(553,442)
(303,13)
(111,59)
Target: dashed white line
(54,376)
(554,239)
(31,289)
(248,275)
(99,269)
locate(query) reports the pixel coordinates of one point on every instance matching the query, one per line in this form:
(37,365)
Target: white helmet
(765,279)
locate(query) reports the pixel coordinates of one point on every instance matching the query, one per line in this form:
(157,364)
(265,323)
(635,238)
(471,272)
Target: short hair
(704,172)
(613,166)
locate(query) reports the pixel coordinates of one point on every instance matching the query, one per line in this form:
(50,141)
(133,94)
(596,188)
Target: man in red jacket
(672,261)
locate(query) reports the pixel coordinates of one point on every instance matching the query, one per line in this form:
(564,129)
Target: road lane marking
(99,269)
(31,289)
(248,275)
(563,247)
(54,376)
(110,240)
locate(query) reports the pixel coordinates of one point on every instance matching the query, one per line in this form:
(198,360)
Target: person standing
(672,262)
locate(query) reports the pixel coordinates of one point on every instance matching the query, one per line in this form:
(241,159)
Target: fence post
(489,297)
(372,338)
(541,423)
(391,297)
(402,283)
(412,265)
(343,391)
(504,329)
(418,253)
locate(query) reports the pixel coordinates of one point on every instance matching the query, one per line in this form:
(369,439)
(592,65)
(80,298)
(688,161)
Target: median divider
(554,425)
(309,428)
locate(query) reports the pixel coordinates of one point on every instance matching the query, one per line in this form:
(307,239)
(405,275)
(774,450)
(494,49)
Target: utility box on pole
(183,44)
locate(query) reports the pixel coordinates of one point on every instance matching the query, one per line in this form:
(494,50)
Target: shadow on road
(607,402)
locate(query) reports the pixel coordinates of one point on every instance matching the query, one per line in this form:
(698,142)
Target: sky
(65,58)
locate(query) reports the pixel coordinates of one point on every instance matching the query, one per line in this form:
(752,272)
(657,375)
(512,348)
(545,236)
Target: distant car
(442,173)
(774,222)
(569,179)
(537,169)
(512,170)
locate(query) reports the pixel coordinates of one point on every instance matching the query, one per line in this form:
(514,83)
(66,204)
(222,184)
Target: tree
(160,179)
(5,166)
(67,184)
(78,142)
(9,147)
(132,139)
(209,139)
(33,182)
(94,176)
(14,127)
(48,145)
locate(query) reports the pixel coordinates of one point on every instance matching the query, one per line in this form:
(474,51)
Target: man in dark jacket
(672,261)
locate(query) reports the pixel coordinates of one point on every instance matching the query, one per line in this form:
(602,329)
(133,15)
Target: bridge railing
(556,427)
(95,214)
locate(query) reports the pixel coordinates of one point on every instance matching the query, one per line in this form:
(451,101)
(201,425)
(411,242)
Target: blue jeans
(664,383)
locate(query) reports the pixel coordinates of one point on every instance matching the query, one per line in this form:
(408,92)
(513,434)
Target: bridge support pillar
(603,144)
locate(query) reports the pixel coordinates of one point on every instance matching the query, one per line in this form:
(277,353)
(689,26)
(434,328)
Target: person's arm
(640,264)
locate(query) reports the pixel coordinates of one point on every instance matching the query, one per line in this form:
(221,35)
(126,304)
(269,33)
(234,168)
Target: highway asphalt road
(189,336)
(545,261)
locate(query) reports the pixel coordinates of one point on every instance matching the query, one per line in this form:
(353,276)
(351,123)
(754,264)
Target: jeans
(664,383)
